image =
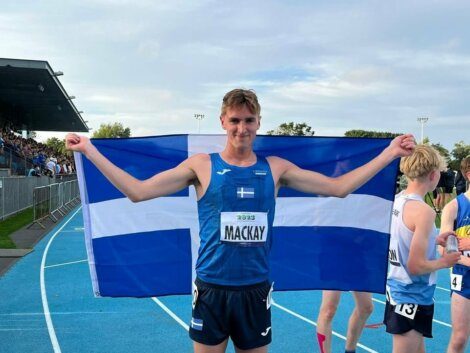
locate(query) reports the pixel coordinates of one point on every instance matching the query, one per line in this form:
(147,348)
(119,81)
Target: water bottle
(452,245)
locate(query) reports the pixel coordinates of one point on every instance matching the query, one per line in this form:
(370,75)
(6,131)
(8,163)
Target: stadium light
(422,121)
(57,73)
(199,117)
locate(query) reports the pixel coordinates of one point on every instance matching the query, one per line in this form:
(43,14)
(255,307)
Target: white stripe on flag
(121,216)
(354,211)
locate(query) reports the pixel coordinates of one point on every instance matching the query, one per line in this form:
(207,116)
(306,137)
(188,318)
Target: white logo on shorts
(265,333)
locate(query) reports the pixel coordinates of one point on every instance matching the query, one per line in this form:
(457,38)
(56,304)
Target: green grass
(12,224)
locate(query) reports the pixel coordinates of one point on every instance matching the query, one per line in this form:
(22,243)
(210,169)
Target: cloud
(333,64)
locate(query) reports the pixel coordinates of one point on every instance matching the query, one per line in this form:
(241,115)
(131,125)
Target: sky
(336,65)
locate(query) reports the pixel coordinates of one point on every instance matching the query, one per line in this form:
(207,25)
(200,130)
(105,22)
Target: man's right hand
(74,142)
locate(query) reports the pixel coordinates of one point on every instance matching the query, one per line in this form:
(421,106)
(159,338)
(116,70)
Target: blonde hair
(241,97)
(423,161)
(465,166)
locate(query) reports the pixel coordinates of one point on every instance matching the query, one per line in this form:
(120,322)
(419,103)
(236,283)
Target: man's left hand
(402,146)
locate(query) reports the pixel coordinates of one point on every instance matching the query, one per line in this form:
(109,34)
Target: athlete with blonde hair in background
(413,257)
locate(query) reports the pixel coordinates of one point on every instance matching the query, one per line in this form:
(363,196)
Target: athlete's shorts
(242,313)
(397,323)
(460,280)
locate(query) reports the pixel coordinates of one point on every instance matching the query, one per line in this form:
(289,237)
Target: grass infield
(12,224)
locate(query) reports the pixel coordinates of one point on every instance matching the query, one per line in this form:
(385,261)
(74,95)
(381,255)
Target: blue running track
(47,305)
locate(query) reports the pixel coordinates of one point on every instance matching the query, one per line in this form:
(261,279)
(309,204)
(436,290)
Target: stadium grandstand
(32,99)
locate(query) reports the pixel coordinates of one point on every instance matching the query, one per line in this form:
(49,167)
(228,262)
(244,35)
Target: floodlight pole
(422,121)
(199,117)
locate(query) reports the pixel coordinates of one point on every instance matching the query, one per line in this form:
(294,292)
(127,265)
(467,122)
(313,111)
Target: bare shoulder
(278,163)
(418,212)
(199,157)
(197,160)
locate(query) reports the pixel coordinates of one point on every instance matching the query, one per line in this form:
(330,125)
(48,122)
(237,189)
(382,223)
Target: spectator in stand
(50,165)
(34,152)
(35,171)
(57,166)
(64,168)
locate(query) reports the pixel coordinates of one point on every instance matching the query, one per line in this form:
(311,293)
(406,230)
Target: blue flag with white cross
(150,248)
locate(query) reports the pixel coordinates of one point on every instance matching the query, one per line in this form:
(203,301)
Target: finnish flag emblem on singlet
(245,192)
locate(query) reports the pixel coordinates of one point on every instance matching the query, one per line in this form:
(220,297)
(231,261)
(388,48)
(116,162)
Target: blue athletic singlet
(460,277)
(403,287)
(235,218)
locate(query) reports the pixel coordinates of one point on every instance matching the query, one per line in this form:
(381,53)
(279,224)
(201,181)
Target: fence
(16,192)
(54,198)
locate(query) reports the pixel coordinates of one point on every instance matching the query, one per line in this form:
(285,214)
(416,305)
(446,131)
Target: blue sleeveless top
(235,219)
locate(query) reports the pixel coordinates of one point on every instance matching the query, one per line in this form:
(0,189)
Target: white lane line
(66,263)
(435,320)
(315,324)
(442,323)
(20,329)
(171,313)
(62,313)
(444,289)
(45,304)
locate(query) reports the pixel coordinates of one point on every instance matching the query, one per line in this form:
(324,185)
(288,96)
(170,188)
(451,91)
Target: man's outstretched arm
(164,183)
(311,182)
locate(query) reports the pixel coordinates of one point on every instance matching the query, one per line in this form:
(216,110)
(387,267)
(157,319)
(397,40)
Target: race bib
(407,310)
(456,282)
(244,228)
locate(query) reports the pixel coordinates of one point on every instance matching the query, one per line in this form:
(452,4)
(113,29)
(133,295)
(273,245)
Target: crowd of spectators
(31,158)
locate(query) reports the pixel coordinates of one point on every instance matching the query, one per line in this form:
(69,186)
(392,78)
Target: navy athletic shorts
(242,313)
(412,317)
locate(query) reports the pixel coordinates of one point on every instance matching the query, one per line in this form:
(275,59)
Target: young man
(357,320)
(412,255)
(232,287)
(457,212)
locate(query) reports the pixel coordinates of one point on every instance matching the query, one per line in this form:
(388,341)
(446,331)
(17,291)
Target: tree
(57,145)
(460,151)
(112,130)
(370,134)
(292,129)
(442,151)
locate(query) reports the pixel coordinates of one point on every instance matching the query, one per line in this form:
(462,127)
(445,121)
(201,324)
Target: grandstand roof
(32,98)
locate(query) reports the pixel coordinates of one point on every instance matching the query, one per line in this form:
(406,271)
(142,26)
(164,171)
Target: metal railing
(16,193)
(54,198)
